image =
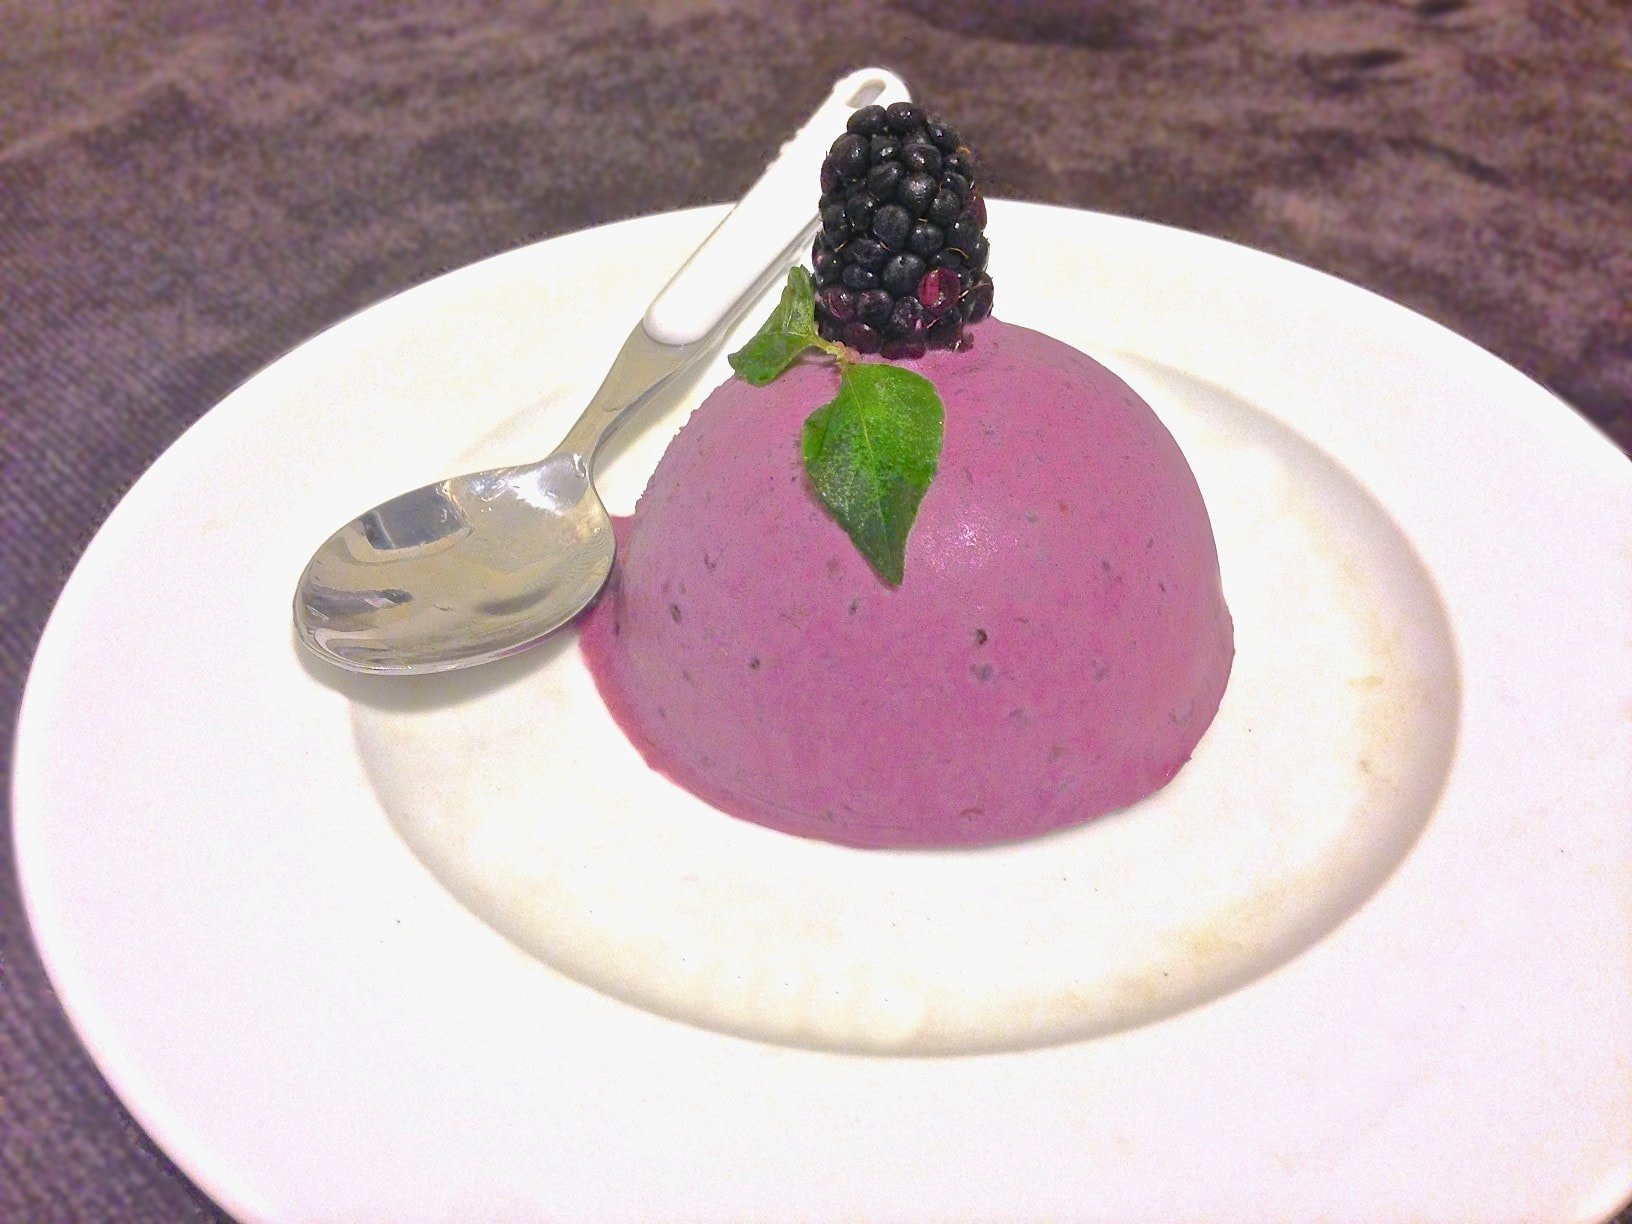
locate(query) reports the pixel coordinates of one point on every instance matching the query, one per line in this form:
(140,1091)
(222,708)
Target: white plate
(1366,959)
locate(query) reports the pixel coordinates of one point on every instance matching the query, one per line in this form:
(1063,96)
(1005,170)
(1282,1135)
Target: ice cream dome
(963,596)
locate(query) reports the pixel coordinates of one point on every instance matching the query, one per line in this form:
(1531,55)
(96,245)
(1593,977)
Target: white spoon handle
(754,233)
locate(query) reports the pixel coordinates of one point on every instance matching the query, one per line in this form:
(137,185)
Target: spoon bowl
(463,571)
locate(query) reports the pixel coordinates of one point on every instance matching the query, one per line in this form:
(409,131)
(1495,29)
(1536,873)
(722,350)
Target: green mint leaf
(871,454)
(789,331)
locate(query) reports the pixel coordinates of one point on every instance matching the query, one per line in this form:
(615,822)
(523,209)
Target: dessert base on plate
(1325,761)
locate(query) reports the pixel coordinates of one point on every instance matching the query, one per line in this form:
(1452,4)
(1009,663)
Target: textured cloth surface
(187,190)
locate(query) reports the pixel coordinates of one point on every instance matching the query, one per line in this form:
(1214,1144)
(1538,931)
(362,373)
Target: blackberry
(900,261)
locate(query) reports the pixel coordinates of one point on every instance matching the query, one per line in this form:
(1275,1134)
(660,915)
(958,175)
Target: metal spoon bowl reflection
(477,567)
(459,572)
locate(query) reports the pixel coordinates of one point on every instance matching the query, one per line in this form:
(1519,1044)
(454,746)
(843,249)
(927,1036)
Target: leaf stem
(842,353)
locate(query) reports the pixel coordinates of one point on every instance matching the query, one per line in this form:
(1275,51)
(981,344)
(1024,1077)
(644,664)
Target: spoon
(477,567)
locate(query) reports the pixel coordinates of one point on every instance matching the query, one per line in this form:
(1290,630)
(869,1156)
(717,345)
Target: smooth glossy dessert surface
(1056,650)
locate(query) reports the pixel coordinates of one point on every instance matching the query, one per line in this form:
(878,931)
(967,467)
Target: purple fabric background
(187,190)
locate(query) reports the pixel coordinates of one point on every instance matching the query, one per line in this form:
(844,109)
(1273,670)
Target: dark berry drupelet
(900,262)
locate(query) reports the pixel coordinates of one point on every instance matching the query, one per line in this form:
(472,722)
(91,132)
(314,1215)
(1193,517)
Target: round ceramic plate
(444,948)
